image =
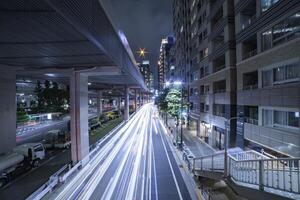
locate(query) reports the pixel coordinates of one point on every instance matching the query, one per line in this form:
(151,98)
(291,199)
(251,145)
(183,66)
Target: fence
(254,168)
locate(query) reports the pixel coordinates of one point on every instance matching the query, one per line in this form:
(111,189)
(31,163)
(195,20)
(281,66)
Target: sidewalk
(206,188)
(196,145)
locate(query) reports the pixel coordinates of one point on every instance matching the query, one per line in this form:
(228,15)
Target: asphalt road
(37,133)
(136,163)
(22,186)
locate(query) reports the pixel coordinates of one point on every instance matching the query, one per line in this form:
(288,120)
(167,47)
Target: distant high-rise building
(165,60)
(146,72)
(151,87)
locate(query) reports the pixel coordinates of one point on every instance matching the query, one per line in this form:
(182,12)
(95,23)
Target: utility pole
(226,144)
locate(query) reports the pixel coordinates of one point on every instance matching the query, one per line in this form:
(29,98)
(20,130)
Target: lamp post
(226,146)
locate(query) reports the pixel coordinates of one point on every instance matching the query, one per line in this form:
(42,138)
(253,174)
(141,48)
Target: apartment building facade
(268,72)
(244,58)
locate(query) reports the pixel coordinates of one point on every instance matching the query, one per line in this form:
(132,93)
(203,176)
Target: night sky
(144,22)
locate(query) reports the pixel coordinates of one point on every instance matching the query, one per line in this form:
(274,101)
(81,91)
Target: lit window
(266,4)
(283,31)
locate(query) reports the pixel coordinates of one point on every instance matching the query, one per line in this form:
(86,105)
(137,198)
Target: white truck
(21,159)
(57,139)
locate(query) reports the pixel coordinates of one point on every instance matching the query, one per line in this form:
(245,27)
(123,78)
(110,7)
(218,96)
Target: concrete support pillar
(135,100)
(99,103)
(126,105)
(8,109)
(140,99)
(79,117)
(119,103)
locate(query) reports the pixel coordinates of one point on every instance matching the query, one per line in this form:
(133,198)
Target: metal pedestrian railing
(254,169)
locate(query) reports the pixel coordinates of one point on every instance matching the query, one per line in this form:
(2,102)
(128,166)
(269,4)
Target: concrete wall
(279,140)
(7,110)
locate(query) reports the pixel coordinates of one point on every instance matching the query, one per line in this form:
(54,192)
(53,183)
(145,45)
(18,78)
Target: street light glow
(178,83)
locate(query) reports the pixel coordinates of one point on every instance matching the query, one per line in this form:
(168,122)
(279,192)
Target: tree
(40,98)
(161,100)
(51,98)
(173,99)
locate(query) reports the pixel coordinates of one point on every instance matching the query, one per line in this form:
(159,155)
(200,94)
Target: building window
(219,110)
(251,114)
(206,108)
(285,30)
(288,72)
(266,4)
(219,86)
(204,33)
(194,91)
(203,53)
(206,89)
(267,117)
(267,78)
(206,70)
(201,107)
(250,80)
(195,76)
(282,119)
(267,39)
(281,74)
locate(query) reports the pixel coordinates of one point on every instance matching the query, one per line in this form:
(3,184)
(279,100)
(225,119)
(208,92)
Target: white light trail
(74,185)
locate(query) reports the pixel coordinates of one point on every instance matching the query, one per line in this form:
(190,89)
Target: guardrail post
(261,175)
(212,163)
(194,166)
(229,168)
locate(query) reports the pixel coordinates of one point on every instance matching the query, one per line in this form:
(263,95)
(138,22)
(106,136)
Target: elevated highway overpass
(67,40)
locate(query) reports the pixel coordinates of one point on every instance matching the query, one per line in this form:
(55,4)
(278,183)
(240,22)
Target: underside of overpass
(71,41)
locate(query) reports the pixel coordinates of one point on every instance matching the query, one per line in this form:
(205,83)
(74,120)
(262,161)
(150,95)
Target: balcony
(219,64)
(247,22)
(249,47)
(251,121)
(250,54)
(250,80)
(215,7)
(219,110)
(219,87)
(248,14)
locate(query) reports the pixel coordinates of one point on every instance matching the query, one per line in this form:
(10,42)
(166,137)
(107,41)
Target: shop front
(194,127)
(205,131)
(219,137)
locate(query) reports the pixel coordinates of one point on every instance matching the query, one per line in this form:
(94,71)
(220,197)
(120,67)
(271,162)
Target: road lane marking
(172,170)
(154,171)
(149,156)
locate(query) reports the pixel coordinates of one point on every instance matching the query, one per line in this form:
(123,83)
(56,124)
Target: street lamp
(226,142)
